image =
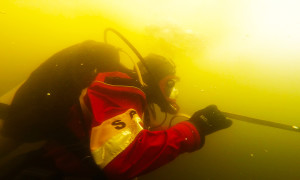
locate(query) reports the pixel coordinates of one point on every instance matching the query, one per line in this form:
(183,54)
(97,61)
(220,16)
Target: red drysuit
(119,144)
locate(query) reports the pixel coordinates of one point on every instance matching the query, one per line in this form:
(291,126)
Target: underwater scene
(242,56)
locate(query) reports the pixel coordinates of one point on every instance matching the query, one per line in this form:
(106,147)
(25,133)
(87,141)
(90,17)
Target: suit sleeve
(118,142)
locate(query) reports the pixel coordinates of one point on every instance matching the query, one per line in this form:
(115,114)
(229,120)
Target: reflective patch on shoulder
(113,136)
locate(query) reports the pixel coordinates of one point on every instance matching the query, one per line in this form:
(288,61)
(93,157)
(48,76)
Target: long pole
(262,122)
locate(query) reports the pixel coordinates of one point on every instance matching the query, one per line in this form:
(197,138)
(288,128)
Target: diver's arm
(153,149)
(120,145)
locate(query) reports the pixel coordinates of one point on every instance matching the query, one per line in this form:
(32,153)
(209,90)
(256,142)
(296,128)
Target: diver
(94,116)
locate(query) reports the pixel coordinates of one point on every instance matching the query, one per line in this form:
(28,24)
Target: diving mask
(170,92)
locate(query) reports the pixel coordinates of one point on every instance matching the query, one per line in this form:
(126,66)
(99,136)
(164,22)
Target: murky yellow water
(238,54)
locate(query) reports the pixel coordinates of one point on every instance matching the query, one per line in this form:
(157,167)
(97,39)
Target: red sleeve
(150,150)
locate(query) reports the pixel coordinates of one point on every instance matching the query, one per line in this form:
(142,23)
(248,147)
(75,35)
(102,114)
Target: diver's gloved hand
(209,120)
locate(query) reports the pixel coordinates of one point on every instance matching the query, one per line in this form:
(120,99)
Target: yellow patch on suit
(113,136)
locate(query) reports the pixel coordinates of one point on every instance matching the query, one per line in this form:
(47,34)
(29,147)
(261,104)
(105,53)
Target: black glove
(209,120)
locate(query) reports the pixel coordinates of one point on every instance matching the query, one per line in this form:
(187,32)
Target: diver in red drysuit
(107,127)
(120,144)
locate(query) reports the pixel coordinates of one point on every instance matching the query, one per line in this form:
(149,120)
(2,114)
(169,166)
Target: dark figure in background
(88,109)
(40,108)
(54,87)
